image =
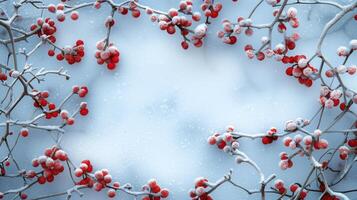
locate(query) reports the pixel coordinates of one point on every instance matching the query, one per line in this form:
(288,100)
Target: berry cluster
(210,9)
(285,161)
(156,192)
(303,144)
(135,12)
(307,141)
(224,141)
(168,23)
(331,98)
(66,118)
(185,6)
(103,178)
(40,98)
(70,54)
(107,54)
(84,167)
(199,192)
(270,137)
(231,29)
(45,28)
(82,91)
(51,163)
(294,188)
(301,69)
(172,20)
(52,111)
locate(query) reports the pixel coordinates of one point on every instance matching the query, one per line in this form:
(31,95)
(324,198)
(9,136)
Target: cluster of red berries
(199,192)
(224,141)
(45,28)
(282,189)
(70,54)
(186,6)
(107,54)
(270,137)
(135,12)
(156,191)
(285,161)
(41,101)
(210,9)
(66,118)
(296,188)
(197,38)
(51,163)
(103,178)
(168,23)
(41,98)
(290,17)
(229,29)
(302,70)
(84,168)
(83,110)
(331,98)
(82,91)
(308,141)
(52,112)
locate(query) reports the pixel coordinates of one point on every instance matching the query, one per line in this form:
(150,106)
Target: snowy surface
(151,117)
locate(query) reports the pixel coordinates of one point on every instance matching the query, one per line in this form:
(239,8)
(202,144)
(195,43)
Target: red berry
(60,57)
(24,132)
(164,193)
(84,111)
(267,140)
(74,15)
(41,180)
(111,66)
(184,45)
(232,39)
(51,52)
